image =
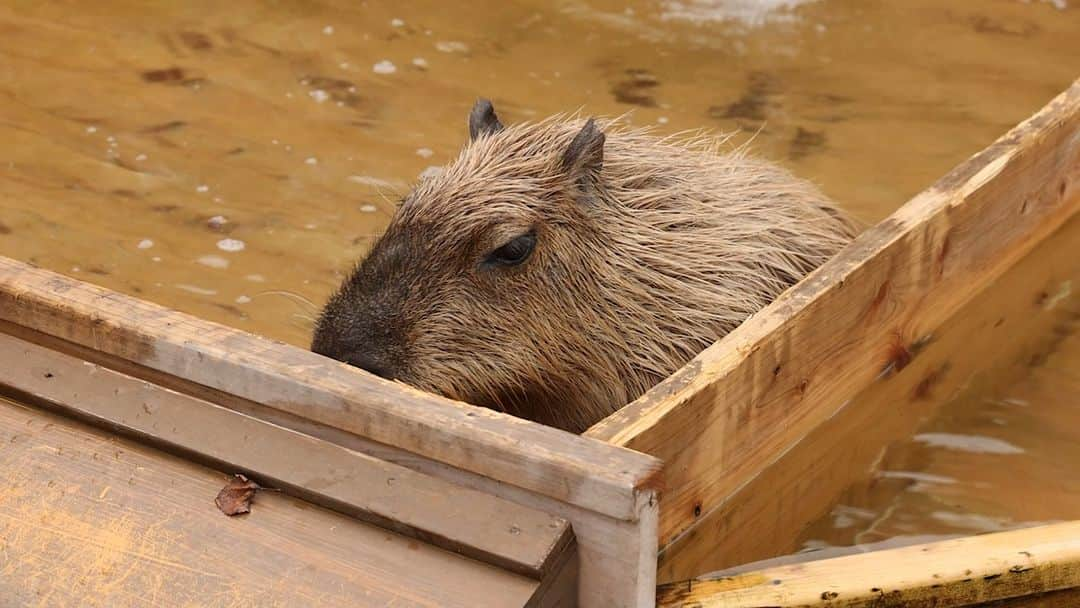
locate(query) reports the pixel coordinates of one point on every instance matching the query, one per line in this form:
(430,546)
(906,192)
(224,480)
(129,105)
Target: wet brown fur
(647,251)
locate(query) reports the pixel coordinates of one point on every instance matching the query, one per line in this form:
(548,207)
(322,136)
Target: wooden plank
(504,534)
(617,565)
(569,468)
(617,558)
(607,493)
(722,419)
(960,572)
(87,519)
(997,333)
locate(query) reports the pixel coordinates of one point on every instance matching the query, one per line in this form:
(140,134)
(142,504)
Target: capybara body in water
(557,270)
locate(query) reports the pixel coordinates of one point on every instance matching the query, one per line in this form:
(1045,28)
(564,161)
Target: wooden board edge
(959,572)
(480,526)
(622,427)
(568,467)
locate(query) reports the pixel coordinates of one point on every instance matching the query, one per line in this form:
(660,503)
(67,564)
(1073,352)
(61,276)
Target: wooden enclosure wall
(860,320)
(607,493)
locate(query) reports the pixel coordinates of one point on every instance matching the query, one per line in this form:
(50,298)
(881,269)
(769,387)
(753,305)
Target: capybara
(557,270)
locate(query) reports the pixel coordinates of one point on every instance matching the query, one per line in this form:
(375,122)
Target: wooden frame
(858,321)
(969,571)
(607,493)
(590,525)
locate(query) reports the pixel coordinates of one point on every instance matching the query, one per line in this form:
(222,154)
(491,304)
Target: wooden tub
(130,416)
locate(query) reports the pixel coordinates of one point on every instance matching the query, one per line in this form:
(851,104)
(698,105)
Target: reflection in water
(233,164)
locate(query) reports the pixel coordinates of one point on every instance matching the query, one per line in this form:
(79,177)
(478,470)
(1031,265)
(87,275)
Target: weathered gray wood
(504,534)
(90,520)
(607,493)
(573,469)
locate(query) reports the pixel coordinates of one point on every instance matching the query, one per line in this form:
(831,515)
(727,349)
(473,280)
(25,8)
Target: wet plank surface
(90,520)
(960,572)
(493,531)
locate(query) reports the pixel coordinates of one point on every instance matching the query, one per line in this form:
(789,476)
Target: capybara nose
(371,363)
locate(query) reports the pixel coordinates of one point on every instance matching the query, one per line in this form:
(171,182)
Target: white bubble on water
(256,278)
(319,95)
(975,444)
(425,152)
(368,180)
(242,299)
(420,62)
(384,67)
(145,244)
(213,261)
(397,22)
(431,171)
(140,157)
(202,291)
(202,188)
(368,208)
(311,160)
(230,245)
(328,30)
(451,46)
(91,129)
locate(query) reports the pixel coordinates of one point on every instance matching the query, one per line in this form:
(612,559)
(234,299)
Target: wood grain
(960,572)
(607,493)
(87,519)
(997,333)
(725,417)
(504,534)
(548,461)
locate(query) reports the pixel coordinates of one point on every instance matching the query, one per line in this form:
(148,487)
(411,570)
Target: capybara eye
(514,252)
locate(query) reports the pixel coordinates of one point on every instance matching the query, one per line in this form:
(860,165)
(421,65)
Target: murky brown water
(232,163)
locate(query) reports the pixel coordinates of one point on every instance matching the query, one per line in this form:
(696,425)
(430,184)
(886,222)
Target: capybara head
(557,270)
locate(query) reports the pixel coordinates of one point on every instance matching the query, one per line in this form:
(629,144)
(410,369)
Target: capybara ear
(584,157)
(482,119)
